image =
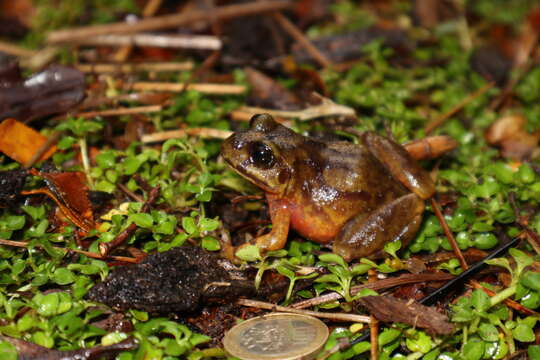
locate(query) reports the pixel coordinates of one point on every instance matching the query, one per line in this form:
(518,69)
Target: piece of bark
(52,91)
(391,309)
(30,351)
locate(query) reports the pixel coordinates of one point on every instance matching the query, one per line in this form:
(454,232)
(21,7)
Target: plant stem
(86,162)
(506,293)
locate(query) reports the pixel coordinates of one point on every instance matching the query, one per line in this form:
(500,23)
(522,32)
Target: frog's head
(263,154)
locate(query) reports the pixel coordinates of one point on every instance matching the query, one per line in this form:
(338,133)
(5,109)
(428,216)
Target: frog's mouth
(242,171)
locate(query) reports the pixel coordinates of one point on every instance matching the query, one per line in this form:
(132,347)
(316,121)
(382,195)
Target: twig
(173,134)
(120,111)
(217,89)
(135,67)
(302,39)
(51,140)
(16,50)
(326,108)
(130,193)
(379,285)
(150,9)
(449,235)
(331,316)
(168,21)
(509,302)
(106,248)
(201,42)
(24,244)
(432,125)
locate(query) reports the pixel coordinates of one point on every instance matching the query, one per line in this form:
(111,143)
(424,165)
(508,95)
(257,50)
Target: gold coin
(276,336)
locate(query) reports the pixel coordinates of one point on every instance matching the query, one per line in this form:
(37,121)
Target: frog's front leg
(281,220)
(365,235)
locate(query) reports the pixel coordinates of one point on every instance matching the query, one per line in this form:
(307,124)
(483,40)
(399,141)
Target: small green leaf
(488,332)
(531,279)
(480,300)
(285,271)
(249,253)
(63,276)
(473,350)
(534,352)
(7,351)
(523,333)
(210,243)
(207,224)
(388,335)
(188,223)
(333,258)
(142,220)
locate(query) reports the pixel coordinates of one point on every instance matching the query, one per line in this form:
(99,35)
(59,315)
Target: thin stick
(326,108)
(379,285)
(432,125)
(135,67)
(331,316)
(150,9)
(202,42)
(130,193)
(449,235)
(15,50)
(217,89)
(302,39)
(51,140)
(121,111)
(24,244)
(168,21)
(173,134)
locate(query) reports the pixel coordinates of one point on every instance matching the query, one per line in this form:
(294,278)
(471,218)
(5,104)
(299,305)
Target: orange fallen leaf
(69,192)
(21,142)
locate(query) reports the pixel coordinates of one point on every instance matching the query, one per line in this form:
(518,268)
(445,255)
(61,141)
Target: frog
(354,197)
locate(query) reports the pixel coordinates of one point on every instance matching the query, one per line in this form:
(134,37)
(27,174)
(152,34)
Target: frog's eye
(262,123)
(261,155)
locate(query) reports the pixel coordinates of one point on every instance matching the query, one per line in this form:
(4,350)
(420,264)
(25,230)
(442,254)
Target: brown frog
(358,196)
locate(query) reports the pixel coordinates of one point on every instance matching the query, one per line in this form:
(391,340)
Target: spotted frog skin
(356,196)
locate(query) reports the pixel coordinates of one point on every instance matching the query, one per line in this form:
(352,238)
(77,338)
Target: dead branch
(173,134)
(15,50)
(432,125)
(168,21)
(121,111)
(331,316)
(202,42)
(150,9)
(379,285)
(296,34)
(135,67)
(326,108)
(449,235)
(216,89)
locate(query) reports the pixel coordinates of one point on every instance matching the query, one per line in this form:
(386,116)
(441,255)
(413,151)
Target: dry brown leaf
(21,142)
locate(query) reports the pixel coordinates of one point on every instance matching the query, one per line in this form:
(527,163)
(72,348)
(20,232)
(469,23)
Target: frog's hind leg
(364,236)
(400,164)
